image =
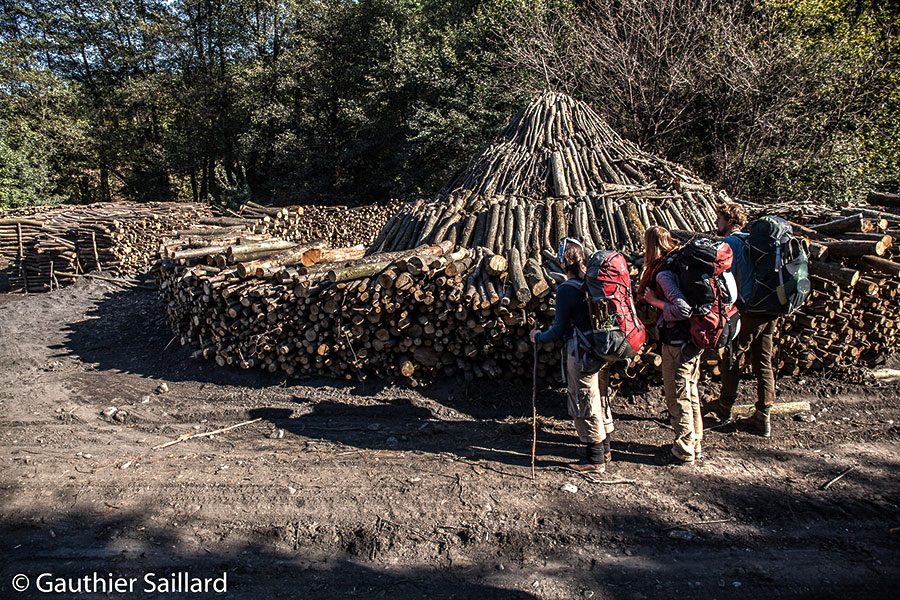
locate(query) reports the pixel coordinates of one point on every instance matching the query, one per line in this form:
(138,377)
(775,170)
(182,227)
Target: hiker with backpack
(658,243)
(770,268)
(694,296)
(588,400)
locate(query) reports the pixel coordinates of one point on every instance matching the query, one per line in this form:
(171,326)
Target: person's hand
(532,335)
(650,295)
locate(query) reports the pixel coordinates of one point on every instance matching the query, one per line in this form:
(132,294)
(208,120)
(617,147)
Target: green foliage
(331,100)
(41,136)
(25,177)
(773,100)
(851,115)
(368,100)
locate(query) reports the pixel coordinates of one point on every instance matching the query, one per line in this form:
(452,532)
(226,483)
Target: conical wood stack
(557,169)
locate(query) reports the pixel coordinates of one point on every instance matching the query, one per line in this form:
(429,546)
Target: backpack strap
(637,322)
(744,240)
(581,286)
(742,236)
(666,262)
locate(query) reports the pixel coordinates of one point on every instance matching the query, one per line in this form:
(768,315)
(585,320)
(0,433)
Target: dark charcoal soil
(372,490)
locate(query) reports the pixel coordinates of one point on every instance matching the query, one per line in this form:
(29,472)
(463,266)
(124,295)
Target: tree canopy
(359,101)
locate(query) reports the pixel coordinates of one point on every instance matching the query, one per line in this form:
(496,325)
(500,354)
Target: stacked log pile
(44,247)
(308,308)
(853,316)
(452,285)
(337,225)
(52,247)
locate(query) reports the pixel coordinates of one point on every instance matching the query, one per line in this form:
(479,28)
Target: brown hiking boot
(758,423)
(666,458)
(719,409)
(588,467)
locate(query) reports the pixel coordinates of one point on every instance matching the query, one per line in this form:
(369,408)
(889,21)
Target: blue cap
(562,248)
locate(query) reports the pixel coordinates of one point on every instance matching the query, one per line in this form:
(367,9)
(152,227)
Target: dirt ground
(372,490)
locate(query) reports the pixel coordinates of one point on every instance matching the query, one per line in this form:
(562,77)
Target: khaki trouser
(588,402)
(758,336)
(683,401)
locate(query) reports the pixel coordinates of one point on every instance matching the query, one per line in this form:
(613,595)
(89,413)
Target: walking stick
(534,410)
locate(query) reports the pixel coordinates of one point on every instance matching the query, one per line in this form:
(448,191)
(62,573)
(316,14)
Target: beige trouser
(589,402)
(683,401)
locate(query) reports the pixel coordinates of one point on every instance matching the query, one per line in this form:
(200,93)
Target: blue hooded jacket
(741,266)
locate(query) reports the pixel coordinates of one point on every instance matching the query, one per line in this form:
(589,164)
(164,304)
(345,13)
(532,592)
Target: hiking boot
(583,466)
(758,423)
(607,450)
(719,409)
(666,458)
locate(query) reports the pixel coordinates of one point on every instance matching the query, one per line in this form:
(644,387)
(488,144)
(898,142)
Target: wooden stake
(96,254)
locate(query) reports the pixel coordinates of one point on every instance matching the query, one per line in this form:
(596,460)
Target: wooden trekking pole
(534,410)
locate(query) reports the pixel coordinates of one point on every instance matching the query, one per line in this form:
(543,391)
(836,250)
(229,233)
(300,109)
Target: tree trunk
(883,265)
(854,248)
(852,223)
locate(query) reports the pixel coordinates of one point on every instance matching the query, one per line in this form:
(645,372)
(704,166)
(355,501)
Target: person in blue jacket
(588,400)
(757,335)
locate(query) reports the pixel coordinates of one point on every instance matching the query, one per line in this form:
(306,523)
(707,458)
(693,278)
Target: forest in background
(332,101)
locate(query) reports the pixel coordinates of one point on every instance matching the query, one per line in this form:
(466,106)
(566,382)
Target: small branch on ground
(190,436)
(836,479)
(679,526)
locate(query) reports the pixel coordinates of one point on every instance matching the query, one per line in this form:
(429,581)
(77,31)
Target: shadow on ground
(404,426)
(127,331)
(766,543)
(83,545)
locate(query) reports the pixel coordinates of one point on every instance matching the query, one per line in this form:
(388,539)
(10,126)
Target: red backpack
(617,333)
(701,267)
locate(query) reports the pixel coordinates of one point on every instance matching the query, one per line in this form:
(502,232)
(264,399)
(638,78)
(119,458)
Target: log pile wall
(452,285)
(337,225)
(444,310)
(46,248)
